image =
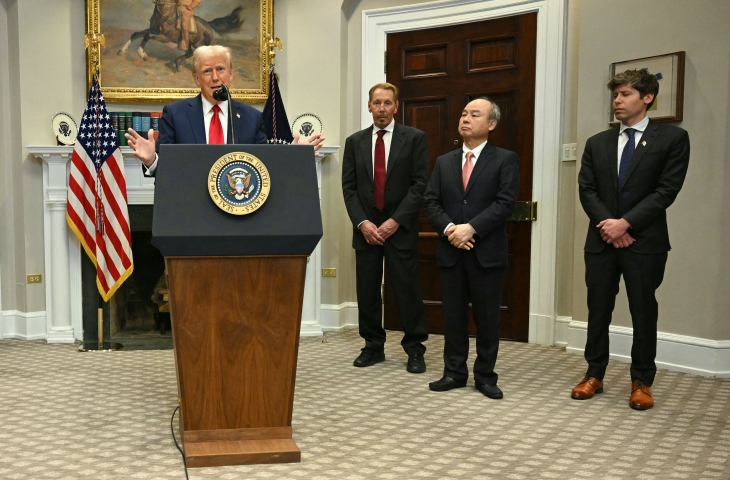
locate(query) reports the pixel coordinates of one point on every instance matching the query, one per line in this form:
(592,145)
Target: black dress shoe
(416,363)
(369,357)
(446,383)
(491,391)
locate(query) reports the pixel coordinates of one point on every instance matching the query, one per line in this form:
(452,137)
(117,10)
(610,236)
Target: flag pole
(100,345)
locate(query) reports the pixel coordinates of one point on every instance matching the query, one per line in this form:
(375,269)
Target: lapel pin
(644,143)
(239,116)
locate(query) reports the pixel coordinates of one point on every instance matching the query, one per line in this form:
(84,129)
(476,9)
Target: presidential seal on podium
(239,183)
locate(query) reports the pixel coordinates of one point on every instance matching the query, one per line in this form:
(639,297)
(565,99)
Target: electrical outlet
(570,152)
(35,279)
(329,272)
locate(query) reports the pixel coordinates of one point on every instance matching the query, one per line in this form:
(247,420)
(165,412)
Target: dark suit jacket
(486,205)
(656,174)
(182,123)
(405,180)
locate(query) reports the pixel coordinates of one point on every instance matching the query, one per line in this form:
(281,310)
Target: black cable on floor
(172,430)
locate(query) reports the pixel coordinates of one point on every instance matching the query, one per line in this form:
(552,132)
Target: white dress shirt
(623,138)
(387,139)
(207,118)
(477,151)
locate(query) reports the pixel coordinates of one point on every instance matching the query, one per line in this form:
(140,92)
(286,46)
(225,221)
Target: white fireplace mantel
(63,250)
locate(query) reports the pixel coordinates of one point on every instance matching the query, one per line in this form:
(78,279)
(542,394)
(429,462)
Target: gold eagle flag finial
(273,42)
(93,40)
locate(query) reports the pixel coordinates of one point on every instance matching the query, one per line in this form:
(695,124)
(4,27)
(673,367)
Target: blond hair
(211,51)
(384,86)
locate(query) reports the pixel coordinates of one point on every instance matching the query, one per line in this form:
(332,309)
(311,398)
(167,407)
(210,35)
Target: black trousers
(467,281)
(643,273)
(403,270)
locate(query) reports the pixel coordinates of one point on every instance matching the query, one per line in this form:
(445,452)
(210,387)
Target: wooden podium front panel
(235,324)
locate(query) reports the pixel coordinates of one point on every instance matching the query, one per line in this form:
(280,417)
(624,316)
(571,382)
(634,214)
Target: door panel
(437,72)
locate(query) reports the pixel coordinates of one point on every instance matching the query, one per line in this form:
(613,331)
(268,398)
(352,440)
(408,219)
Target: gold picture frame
(126,75)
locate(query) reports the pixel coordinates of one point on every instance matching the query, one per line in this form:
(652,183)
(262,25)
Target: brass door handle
(524,212)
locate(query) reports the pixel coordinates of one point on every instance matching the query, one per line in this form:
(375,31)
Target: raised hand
(315,140)
(143,148)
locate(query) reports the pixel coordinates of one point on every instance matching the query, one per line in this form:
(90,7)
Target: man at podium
(203,119)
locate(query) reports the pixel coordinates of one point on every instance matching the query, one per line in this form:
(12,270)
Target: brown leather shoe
(586,388)
(641,398)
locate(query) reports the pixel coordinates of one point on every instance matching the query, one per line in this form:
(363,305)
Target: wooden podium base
(235,327)
(242,447)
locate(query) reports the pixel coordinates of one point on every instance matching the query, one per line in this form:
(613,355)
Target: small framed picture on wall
(669,71)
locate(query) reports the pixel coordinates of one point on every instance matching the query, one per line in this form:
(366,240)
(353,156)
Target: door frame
(549,79)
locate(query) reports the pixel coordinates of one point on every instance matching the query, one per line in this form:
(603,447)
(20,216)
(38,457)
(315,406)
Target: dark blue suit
(182,123)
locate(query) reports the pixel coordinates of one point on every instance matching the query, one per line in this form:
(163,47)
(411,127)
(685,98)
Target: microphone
(223,94)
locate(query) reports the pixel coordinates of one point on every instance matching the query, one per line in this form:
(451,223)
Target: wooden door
(437,72)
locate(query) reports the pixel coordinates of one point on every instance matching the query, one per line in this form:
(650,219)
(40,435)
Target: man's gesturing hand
(388,228)
(612,229)
(370,232)
(462,236)
(143,148)
(315,140)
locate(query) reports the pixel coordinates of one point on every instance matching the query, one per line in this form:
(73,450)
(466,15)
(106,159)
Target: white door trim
(550,68)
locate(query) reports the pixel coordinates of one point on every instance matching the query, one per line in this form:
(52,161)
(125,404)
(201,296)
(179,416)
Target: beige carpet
(70,415)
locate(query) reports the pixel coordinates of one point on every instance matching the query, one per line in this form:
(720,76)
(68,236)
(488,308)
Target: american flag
(97,198)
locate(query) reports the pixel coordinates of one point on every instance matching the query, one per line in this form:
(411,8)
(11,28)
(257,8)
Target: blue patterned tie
(626,156)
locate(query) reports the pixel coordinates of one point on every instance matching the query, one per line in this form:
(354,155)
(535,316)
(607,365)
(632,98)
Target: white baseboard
(337,317)
(310,328)
(561,331)
(23,325)
(680,353)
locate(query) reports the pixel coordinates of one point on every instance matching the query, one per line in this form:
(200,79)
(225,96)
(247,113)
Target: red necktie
(468,167)
(215,134)
(379,177)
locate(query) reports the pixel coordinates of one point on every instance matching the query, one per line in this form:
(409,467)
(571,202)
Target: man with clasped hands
(629,176)
(471,194)
(384,173)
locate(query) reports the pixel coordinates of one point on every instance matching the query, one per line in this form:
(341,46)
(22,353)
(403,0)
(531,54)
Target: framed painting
(669,71)
(147,51)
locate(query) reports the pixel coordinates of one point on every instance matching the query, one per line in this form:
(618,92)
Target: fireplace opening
(135,315)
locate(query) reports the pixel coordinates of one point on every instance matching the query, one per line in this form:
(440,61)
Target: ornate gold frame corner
(166,95)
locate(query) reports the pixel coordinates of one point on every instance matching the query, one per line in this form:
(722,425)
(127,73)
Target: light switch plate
(329,272)
(570,152)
